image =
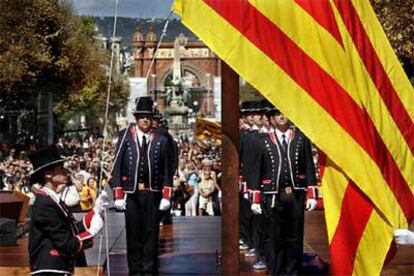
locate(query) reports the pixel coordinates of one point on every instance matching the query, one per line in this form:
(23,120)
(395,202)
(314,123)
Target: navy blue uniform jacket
(54,246)
(125,171)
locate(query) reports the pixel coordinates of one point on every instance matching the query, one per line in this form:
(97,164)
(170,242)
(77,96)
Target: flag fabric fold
(329,67)
(207,128)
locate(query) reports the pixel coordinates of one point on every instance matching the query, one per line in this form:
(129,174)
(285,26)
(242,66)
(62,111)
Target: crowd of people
(196,181)
(83,160)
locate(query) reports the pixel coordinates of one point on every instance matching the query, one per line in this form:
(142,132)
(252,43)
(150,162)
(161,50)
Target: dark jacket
(124,173)
(300,161)
(53,242)
(172,146)
(251,158)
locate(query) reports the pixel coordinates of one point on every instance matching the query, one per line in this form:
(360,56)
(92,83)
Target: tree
(397,20)
(45,48)
(88,97)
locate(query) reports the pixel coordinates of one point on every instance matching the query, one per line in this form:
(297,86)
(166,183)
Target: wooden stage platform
(190,245)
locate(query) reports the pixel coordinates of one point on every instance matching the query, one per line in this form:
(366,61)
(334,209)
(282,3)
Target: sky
(126,8)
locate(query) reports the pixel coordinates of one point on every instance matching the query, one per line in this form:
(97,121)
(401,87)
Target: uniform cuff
(312,192)
(87,219)
(119,193)
(256,196)
(166,192)
(85,240)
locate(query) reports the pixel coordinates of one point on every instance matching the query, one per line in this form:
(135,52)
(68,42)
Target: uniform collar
(245,126)
(255,127)
(55,196)
(140,134)
(287,133)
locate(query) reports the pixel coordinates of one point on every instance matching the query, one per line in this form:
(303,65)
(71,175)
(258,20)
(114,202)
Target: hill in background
(126,28)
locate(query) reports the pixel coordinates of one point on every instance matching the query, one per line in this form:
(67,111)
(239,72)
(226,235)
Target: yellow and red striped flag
(207,128)
(329,67)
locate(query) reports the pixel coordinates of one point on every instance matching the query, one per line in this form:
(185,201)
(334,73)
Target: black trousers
(245,216)
(142,231)
(259,236)
(285,220)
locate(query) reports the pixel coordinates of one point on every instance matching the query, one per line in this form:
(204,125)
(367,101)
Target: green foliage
(397,20)
(45,48)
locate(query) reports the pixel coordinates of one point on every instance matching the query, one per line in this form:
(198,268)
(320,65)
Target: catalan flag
(329,67)
(206,128)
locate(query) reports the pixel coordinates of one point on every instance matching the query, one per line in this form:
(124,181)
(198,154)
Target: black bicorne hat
(248,106)
(270,109)
(144,105)
(43,159)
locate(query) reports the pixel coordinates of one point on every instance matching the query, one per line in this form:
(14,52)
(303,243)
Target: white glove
(256,208)
(97,224)
(246,196)
(101,203)
(404,236)
(310,204)
(120,204)
(164,204)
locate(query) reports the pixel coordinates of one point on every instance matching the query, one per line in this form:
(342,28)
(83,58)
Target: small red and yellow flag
(330,68)
(205,128)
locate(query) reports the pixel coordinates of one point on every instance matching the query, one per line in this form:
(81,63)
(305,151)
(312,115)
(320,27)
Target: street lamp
(195,107)
(208,75)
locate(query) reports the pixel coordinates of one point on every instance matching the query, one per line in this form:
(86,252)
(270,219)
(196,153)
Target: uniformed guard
(259,232)
(289,173)
(246,111)
(56,239)
(251,156)
(142,181)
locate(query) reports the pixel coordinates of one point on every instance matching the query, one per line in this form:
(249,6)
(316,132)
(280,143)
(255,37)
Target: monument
(176,110)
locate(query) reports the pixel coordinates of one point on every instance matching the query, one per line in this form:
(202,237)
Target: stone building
(200,69)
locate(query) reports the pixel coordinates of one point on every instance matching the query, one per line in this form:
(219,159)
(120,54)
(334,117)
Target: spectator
(191,205)
(88,194)
(207,188)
